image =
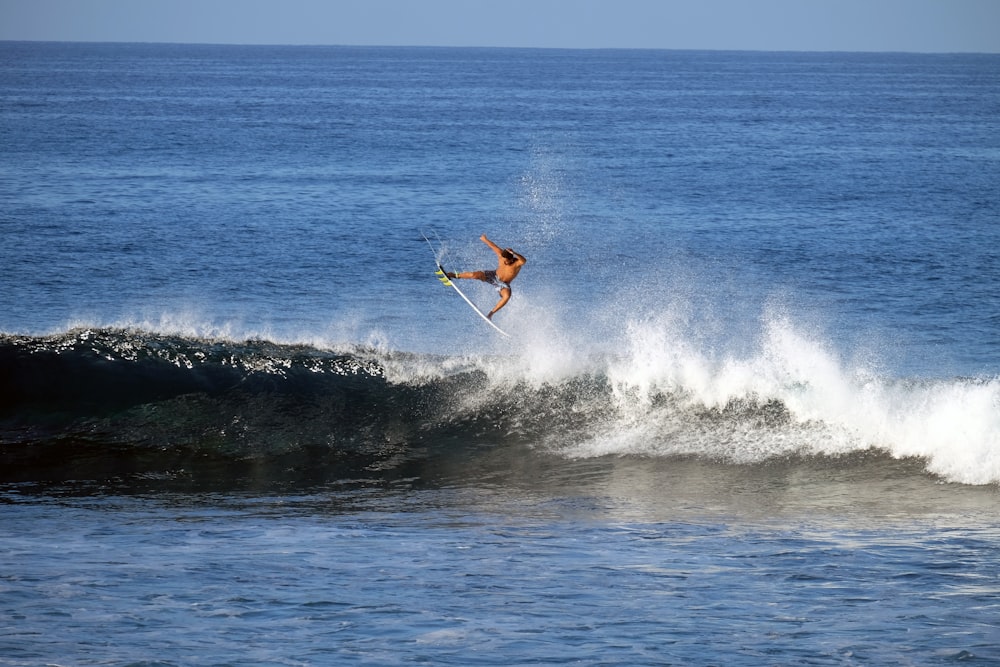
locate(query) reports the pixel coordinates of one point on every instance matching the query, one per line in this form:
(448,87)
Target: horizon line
(494,46)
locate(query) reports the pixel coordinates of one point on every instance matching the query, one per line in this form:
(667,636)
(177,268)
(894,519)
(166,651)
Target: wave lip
(104,370)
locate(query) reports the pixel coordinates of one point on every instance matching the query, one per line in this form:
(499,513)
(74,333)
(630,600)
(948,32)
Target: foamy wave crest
(793,395)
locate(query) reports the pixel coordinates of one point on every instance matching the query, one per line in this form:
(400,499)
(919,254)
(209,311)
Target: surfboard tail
(442,276)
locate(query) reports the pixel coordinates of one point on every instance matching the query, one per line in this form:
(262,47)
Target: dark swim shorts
(491,278)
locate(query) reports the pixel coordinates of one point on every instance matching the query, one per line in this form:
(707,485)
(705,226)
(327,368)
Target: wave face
(117,399)
(108,401)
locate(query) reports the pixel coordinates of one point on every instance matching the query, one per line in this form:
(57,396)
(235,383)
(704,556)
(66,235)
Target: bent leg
(504,298)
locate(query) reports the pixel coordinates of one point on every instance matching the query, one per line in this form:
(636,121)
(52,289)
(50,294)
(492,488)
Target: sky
(760,25)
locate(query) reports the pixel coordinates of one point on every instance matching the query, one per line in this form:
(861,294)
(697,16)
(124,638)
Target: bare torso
(508,271)
(507,267)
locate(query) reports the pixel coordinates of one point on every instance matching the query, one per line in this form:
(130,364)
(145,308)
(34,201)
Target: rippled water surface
(749,413)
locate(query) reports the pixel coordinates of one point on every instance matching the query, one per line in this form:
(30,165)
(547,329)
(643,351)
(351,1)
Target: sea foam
(792,392)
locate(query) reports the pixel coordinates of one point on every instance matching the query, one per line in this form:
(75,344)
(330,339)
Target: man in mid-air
(509,264)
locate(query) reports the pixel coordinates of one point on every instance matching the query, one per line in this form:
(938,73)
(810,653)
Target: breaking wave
(111,398)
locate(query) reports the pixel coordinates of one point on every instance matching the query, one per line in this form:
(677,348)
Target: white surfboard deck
(448,281)
(445,280)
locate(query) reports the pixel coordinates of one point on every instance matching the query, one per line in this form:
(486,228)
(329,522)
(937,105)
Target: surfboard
(442,275)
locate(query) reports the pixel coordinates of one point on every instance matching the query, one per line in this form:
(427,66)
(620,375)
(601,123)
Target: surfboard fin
(440,273)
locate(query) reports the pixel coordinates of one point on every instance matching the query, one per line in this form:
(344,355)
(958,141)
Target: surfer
(509,264)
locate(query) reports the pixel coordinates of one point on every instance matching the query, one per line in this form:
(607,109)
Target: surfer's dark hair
(507,254)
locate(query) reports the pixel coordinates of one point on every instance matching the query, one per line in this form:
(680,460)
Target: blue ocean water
(749,412)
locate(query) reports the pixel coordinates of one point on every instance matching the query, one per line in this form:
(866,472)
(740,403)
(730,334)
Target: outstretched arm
(493,246)
(499,251)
